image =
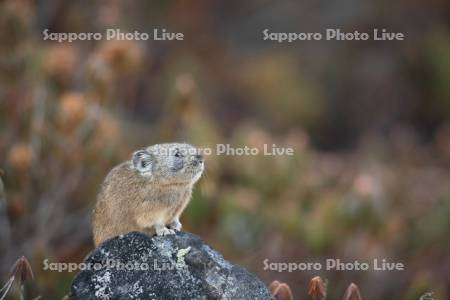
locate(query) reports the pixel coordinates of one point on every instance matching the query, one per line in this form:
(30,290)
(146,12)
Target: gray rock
(181,266)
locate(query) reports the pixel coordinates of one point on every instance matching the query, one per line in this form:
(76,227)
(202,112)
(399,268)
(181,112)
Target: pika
(148,192)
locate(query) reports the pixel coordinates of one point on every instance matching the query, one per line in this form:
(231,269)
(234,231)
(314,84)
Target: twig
(6,287)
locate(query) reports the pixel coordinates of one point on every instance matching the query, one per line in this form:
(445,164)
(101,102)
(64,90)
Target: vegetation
(368,123)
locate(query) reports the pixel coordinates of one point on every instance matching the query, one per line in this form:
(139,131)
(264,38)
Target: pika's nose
(199,158)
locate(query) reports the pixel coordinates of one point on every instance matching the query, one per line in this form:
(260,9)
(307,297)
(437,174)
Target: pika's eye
(178,154)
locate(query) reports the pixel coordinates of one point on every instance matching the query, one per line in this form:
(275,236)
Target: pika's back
(122,178)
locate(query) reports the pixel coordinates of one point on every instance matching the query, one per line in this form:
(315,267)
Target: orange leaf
(317,288)
(22,268)
(281,291)
(352,293)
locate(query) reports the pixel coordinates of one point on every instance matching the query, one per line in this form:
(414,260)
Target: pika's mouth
(191,175)
(197,171)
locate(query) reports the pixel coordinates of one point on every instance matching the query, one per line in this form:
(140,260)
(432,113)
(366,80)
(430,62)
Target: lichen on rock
(180,266)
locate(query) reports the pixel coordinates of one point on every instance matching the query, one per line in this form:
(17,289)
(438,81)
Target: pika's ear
(142,161)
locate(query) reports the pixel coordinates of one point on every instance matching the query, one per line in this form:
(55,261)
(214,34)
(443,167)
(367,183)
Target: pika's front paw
(163,230)
(175,225)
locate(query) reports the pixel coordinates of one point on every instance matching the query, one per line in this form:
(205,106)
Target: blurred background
(368,121)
